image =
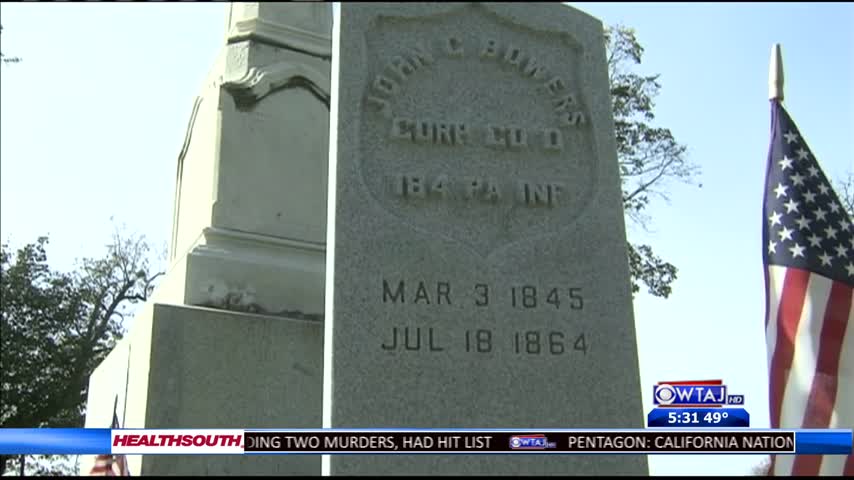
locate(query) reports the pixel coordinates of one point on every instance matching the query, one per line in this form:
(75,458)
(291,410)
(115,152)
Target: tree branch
(646,185)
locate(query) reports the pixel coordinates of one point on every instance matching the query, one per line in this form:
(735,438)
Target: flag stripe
(788,314)
(103,466)
(108,465)
(823,394)
(776,279)
(805,354)
(843,414)
(832,465)
(820,405)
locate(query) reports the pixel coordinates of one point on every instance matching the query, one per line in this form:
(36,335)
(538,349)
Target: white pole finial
(775,74)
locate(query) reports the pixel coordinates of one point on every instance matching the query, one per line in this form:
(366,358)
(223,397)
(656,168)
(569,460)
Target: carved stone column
(249,226)
(248,242)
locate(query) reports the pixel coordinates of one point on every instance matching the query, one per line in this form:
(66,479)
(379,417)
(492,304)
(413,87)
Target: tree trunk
(23,460)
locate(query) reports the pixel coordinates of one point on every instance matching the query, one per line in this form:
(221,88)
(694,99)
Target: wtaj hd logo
(694,393)
(531,442)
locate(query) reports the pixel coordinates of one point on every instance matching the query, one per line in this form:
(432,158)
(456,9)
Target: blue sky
(93,119)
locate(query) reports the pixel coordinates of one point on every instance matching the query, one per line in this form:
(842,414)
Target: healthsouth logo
(530,442)
(171,441)
(694,393)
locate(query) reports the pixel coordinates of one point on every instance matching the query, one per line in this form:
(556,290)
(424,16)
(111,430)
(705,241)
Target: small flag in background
(808,253)
(109,465)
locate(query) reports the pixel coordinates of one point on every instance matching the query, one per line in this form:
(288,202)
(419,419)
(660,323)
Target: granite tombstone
(477,273)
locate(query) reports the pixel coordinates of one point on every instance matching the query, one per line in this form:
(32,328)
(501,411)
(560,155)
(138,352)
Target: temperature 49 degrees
(698,417)
(693,417)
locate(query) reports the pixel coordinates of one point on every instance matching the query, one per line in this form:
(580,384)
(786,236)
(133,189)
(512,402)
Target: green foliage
(45,465)
(648,268)
(38,308)
(56,327)
(649,156)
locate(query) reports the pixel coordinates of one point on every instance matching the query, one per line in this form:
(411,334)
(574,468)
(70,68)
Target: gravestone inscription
(477,274)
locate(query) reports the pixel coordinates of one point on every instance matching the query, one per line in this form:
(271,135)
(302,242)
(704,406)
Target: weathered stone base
(249,272)
(191,367)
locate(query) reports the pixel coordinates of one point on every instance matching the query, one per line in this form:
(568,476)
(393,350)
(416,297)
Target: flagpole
(775,74)
(775,95)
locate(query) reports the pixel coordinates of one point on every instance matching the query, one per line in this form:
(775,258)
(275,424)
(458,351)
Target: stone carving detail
(257,83)
(221,295)
(485,137)
(228,297)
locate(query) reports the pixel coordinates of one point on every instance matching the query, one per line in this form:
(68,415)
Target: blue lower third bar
(823,442)
(54,441)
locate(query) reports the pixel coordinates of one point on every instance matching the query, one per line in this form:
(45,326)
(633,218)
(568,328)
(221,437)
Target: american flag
(108,465)
(808,252)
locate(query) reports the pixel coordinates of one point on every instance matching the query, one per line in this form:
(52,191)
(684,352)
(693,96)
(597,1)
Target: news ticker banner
(14,441)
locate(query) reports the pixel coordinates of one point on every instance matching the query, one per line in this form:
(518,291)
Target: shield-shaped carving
(480,135)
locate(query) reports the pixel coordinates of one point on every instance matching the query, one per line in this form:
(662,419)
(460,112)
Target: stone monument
(477,274)
(232,338)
